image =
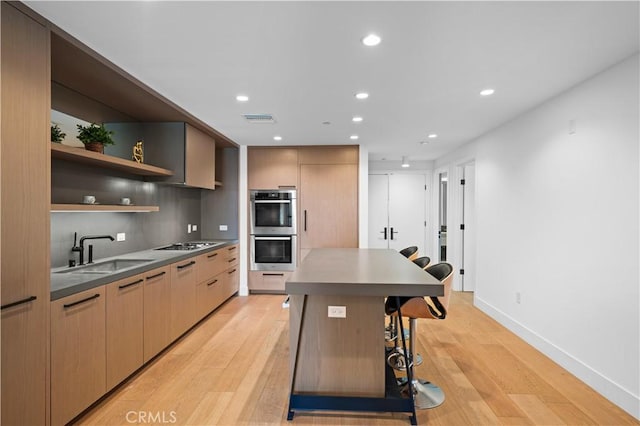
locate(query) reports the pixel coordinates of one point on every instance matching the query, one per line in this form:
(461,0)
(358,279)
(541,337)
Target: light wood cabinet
(183,297)
(328,206)
(157,308)
(267,282)
(78,353)
(124,328)
(200,159)
(328,155)
(272,167)
(25,188)
(215,272)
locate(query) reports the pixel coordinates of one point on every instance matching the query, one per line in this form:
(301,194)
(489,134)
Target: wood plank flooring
(233,369)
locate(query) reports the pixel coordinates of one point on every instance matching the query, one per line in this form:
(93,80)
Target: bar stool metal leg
(426,394)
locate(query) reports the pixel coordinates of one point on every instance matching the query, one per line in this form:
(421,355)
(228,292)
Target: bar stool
(395,359)
(410,252)
(426,394)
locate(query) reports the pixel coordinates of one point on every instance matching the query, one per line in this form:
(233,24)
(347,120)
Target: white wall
(558,222)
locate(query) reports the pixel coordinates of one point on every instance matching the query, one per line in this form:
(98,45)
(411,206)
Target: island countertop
(361,272)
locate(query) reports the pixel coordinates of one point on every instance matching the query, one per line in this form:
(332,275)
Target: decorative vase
(94,146)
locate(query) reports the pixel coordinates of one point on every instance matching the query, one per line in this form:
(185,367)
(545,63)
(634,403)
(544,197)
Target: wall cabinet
(271,168)
(124,329)
(157,306)
(183,297)
(179,147)
(78,353)
(25,188)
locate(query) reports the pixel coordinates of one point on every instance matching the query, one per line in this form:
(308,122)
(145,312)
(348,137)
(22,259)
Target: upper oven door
(273,212)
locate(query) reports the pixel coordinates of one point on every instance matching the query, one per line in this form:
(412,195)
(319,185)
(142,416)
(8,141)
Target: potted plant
(94,137)
(56,134)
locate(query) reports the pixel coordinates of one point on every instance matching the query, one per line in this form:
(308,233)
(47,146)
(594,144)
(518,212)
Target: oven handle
(272,238)
(272,201)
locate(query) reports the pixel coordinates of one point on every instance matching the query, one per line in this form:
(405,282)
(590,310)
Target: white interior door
(398,211)
(469,234)
(378,211)
(408,212)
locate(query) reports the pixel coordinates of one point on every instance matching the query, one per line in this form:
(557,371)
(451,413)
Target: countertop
(66,284)
(361,272)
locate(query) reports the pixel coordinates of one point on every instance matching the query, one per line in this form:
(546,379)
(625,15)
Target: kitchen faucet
(80,248)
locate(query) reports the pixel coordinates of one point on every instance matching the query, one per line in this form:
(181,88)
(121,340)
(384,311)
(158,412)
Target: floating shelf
(101,208)
(81,155)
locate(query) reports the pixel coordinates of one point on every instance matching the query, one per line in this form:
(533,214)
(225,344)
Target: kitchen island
(337,327)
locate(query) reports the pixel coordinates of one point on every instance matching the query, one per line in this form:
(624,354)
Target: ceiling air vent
(259,118)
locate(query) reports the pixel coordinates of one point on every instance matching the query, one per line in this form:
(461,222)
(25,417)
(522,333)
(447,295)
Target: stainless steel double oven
(273,229)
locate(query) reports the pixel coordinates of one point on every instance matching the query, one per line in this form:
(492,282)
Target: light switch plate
(223,227)
(188,228)
(194,228)
(120,236)
(337,312)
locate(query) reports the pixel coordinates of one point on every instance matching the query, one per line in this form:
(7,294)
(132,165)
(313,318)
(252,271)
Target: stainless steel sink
(107,267)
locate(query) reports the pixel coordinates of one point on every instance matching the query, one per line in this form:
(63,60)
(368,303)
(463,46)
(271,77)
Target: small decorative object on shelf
(138,155)
(56,134)
(95,137)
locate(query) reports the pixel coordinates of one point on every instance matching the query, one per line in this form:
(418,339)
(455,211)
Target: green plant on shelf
(57,135)
(94,136)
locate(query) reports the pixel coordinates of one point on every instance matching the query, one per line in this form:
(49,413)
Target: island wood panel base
(329,355)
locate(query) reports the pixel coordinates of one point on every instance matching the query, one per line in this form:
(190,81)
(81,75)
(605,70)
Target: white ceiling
(303,62)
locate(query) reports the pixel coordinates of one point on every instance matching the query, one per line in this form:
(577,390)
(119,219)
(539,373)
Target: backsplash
(179,206)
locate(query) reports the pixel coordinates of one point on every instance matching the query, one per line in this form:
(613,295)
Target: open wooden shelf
(102,208)
(80,155)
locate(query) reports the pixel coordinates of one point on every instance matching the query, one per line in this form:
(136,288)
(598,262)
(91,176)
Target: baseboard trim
(615,393)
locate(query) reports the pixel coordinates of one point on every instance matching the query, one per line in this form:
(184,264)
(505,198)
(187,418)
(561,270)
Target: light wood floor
(233,370)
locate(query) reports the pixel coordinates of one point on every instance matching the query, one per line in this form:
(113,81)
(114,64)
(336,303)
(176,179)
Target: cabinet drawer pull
(212,283)
(232,260)
(156,275)
(19,302)
(231,272)
(212,255)
(272,275)
(232,248)
(95,296)
(186,265)
(130,284)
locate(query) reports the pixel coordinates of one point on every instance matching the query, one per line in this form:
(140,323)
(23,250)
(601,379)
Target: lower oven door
(273,253)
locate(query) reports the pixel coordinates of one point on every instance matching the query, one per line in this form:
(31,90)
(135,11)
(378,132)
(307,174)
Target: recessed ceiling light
(424,142)
(242,98)
(277,138)
(353,137)
(432,136)
(371,40)
(487,92)
(362,95)
(357,119)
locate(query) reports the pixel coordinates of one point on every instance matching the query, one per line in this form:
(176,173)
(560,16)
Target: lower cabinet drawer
(267,282)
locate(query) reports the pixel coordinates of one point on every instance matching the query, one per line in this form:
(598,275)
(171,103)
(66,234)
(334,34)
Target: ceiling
(304,61)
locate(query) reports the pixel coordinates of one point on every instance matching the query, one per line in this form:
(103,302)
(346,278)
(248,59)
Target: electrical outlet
(223,227)
(194,228)
(518,297)
(120,236)
(337,312)
(188,228)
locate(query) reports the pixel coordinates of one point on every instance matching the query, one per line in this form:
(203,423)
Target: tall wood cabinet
(24,211)
(327,181)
